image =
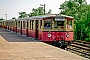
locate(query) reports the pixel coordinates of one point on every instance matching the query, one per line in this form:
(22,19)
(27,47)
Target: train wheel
(54,43)
(64,47)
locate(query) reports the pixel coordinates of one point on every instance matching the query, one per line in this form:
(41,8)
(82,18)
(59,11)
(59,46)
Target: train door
(21,28)
(36,29)
(27,29)
(16,26)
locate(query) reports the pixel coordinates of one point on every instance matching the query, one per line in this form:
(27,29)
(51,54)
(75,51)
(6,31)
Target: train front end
(65,34)
(58,30)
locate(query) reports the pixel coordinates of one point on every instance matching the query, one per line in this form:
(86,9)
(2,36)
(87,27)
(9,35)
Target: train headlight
(49,34)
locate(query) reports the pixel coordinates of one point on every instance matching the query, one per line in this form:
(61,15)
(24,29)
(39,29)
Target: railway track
(81,48)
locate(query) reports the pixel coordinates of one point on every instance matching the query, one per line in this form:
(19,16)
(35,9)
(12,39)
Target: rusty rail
(81,48)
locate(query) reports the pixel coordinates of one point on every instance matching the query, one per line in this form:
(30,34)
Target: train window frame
(40,24)
(32,24)
(58,25)
(49,23)
(69,24)
(12,23)
(18,24)
(24,24)
(9,23)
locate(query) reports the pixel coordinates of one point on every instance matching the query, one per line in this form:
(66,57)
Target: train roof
(44,17)
(11,20)
(36,17)
(2,20)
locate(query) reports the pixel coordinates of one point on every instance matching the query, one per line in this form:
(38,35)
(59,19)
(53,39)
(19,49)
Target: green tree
(49,12)
(1,19)
(13,18)
(35,12)
(38,11)
(81,12)
(22,14)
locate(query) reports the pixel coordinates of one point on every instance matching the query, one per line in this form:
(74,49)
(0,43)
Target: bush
(87,39)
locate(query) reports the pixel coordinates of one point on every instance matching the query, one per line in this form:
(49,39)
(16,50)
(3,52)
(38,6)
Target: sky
(12,7)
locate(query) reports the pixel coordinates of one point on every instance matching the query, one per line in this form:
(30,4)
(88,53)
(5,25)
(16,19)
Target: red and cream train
(54,28)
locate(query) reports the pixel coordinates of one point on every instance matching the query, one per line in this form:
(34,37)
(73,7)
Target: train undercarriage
(61,43)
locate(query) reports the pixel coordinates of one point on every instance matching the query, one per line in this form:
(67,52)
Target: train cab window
(47,24)
(58,24)
(69,24)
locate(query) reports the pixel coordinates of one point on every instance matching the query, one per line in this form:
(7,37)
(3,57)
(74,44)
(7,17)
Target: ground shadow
(15,37)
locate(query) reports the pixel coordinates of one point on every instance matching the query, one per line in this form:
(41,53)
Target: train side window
(24,24)
(3,23)
(18,24)
(40,23)
(12,23)
(7,23)
(48,24)
(32,24)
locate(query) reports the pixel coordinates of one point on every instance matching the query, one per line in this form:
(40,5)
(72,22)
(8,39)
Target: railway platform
(17,47)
